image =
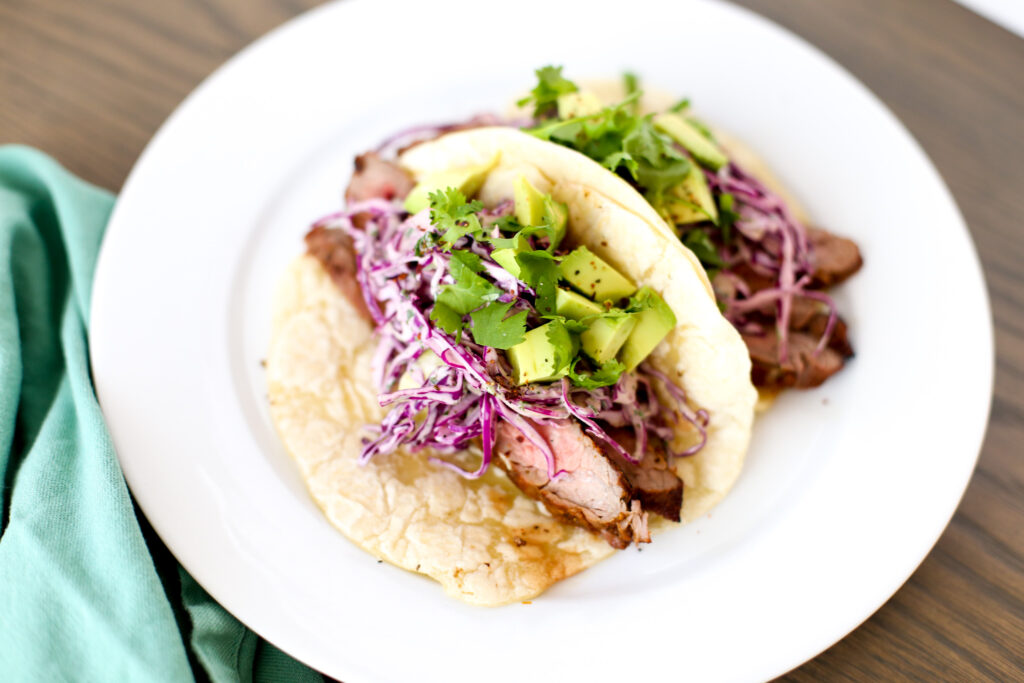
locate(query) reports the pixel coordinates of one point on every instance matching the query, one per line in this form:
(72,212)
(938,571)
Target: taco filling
(498,336)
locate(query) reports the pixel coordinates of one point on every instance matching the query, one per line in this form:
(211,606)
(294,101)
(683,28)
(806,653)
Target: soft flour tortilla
(484,540)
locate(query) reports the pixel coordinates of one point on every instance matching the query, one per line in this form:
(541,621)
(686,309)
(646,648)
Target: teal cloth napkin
(87,590)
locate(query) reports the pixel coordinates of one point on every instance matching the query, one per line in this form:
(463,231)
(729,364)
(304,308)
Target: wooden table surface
(90,81)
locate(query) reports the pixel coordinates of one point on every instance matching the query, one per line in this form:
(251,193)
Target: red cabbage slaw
(773,243)
(450,405)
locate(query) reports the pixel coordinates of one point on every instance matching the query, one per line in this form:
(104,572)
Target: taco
(494,368)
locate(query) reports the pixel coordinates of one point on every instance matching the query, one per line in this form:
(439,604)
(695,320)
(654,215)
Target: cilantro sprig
(606,375)
(450,212)
(625,142)
(470,289)
(699,242)
(544,96)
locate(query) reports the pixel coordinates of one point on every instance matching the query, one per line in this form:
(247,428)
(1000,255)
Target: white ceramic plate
(846,488)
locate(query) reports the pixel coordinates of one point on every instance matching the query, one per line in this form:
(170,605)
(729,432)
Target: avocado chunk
(591,276)
(690,201)
(467,180)
(575,306)
(605,336)
(534,209)
(556,215)
(506,256)
(580,103)
(682,131)
(543,355)
(654,320)
(529,202)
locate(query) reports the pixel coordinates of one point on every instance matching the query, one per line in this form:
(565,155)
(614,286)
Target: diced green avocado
(593,277)
(543,355)
(529,202)
(690,201)
(653,322)
(467,180)
(682,131)
(556,214)
(575,306)
(580,103)
(605,336)
(534,208)
(506,256)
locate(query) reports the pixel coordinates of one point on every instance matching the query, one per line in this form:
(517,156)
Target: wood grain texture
(89,82)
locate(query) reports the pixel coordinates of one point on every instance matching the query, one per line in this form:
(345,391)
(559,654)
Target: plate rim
(211,81)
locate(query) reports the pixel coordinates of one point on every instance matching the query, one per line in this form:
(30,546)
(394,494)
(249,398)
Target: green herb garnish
(470,290)
(604,376)
(701,245)
(492,328)
(539,270)
(450,212)
(624,142)
(727,216)
(544,96)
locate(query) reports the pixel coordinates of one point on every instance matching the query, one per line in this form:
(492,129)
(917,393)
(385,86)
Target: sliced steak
(654,483)
(834,258)
(839,341)
(592,491)
(336,253)
(810,316)
(375,178)
(803,367)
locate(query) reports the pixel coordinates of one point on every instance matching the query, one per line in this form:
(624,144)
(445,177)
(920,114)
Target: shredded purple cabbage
(447,407)
(774,244)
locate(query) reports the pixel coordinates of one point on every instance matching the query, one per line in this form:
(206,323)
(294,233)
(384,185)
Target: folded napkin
(87,590)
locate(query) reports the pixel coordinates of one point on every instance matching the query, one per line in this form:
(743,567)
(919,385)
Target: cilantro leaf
(550,84)
(492,328)
(700,244)
(573,326)
(450,212)
(470,290)
(539,270)
(659,164)
(625,143)
(727,215)
(604,376)
(557,335)
(681,105)
(446,318)
(639,301)
(631,84)
(507,224)
(465,262)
